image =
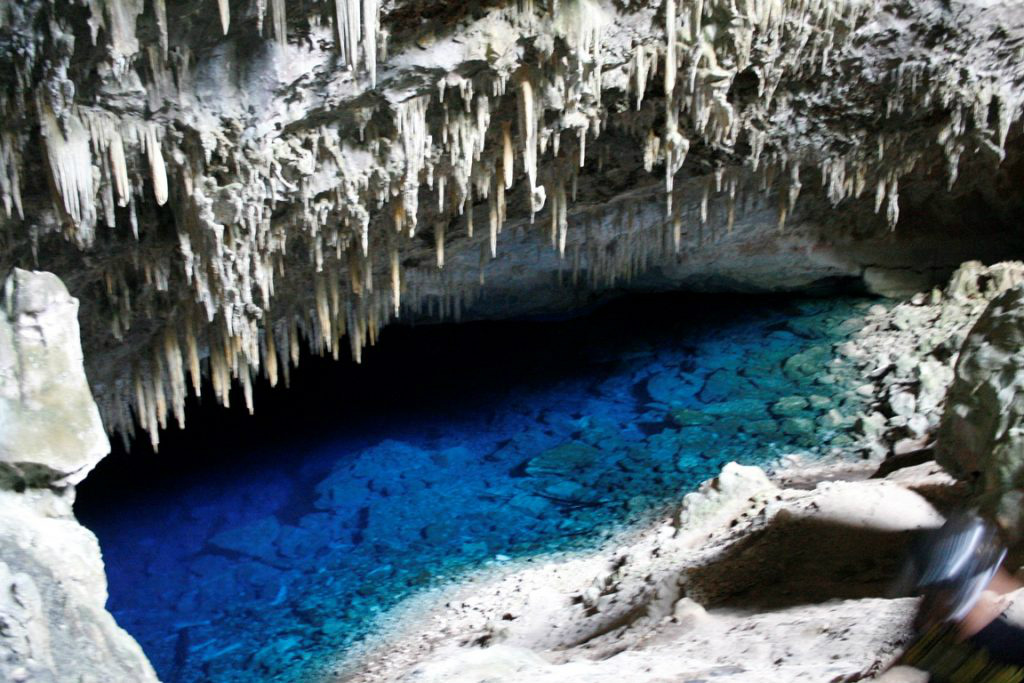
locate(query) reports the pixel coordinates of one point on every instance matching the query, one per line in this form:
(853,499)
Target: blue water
(261,556)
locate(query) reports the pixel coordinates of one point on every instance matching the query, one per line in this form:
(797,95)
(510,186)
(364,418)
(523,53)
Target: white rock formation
(312,170)
(50,429)
(54,627)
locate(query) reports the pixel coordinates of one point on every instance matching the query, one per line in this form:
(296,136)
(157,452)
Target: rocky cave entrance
(259,548)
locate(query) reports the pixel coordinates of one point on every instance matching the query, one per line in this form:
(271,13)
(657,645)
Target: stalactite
(160,13)
(319,189)
(157,168)
(371,17)
(492,205)
(348,28)
(528,133)
(439,243)
(670,48)
(396,278)
(507,157)
(10,175)
(225,14)
(270,356)
(280,21)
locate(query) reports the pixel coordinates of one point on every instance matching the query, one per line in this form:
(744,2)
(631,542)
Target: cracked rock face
(220,183)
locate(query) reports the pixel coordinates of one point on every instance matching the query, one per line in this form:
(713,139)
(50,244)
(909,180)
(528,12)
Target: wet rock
(687,417)
(669,388)
(818,402)
(746,408)
(257,539)
(342,490)
(564,460)
(797,426)
(567,490)
(535,506)
(722,385)
(833,419)
(296,542)
(789,406)
(391,456)
(805,365)
(762,427)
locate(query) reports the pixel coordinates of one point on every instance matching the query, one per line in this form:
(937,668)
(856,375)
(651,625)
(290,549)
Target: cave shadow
(801,561)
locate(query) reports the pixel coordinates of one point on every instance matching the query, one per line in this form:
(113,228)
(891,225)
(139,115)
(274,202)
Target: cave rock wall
(223,182)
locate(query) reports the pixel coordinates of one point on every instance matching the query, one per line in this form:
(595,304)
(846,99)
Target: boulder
(50,428)
(981,435)
(789,406)
(54,627)
(564,460)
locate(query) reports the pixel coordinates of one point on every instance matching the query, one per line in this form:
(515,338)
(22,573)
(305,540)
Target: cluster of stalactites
(467,145)
(709,42)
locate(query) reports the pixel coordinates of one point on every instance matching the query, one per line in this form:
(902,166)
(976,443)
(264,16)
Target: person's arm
(990,604)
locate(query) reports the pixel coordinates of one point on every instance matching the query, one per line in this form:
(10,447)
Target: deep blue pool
(255,549)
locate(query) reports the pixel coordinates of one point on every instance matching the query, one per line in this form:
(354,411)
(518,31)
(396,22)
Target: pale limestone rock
(52,598)
(54,627)
(50,429)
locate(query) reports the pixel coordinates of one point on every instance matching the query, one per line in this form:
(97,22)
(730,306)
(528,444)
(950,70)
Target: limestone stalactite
(317,163)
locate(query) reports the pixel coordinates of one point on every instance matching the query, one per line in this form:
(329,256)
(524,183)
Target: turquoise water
(255,549)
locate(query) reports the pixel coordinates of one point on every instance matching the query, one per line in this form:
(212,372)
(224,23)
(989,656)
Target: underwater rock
(797,426)
(790,406)
(50,429)
(687,417)
(535,506)
(342,490)
(806,365)
(565,460)
(257,539)
(670,388)
(722,385)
